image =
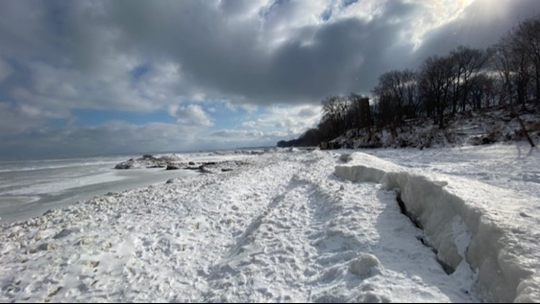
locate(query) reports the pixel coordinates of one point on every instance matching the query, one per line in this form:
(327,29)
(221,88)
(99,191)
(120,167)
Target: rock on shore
(150,161)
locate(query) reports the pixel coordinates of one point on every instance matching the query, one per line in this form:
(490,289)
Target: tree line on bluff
(506,74)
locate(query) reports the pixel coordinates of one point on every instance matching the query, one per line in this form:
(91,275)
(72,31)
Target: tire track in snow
(266,262)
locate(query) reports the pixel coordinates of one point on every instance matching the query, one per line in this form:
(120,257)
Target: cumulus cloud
(192,115)
(237,134)
(278,123)
(291,120)
(309,112)
(15,119)
(231,138)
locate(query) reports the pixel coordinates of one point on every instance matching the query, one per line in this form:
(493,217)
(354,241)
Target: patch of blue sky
(346,3)
(266,11)
(57,123)
(86,118)
(221,116)
(233,119)
(327,14)
(138,72)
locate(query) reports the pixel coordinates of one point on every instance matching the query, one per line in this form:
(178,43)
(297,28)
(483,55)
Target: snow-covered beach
(294,226)
(30,188)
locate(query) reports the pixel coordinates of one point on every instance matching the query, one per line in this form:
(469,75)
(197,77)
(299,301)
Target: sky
(119,77)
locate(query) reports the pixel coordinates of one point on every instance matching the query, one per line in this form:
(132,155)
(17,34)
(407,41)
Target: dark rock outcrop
(130,164)
(150,161)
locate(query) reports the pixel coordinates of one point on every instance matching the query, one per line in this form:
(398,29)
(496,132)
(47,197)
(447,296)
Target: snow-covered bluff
(495,125)
(471,224)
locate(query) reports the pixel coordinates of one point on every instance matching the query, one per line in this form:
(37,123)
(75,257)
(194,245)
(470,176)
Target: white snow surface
(282,228)
(493,230)
(511,166)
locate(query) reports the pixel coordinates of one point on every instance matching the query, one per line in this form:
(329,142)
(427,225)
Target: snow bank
(466,222)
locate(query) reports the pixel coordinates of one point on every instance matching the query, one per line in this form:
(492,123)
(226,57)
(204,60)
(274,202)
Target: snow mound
(366,265)
(465,221)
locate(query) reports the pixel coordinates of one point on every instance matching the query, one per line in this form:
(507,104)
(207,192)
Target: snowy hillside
(283,227)
(496,125)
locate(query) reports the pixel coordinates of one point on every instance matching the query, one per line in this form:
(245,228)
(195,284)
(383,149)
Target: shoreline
(20,201)
(16,208)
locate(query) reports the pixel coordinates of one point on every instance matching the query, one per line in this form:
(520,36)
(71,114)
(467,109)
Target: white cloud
(192,115)
(278,123)
(289,121)
(16,119)
(238,135)
(235,138)
(253,124)
(309,112)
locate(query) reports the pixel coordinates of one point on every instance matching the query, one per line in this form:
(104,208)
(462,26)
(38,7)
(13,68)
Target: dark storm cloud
(231,57)
(232,49)
(481,25)
(342,58)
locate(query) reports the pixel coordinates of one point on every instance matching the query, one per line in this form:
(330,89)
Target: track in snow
(325,240)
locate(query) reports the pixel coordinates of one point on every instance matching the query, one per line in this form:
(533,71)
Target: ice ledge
(465,220)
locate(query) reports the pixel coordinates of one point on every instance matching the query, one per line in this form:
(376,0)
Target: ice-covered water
(29,188)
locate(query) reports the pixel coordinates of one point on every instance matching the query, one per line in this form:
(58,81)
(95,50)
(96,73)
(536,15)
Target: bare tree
(312,137)
(387,111)
(482,91)
(526,38)
(412,93)
(397,96)
(360,113)
(334,110)
(514,67)
(466,64)
(435,84)
(501,56)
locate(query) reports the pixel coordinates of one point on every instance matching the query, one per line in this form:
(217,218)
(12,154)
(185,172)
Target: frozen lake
(30,188)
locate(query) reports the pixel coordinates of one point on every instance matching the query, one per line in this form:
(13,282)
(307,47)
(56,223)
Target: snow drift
(465,221)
